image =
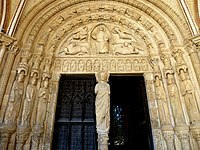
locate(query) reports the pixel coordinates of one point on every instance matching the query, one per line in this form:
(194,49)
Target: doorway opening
(130,121)
(75,127)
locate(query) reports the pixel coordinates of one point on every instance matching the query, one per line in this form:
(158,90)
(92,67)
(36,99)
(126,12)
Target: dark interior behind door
(130,123)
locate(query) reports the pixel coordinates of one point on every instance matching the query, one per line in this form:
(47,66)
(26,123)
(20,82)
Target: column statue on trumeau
(163,109)
(181,129)
(102,105)
(187,91)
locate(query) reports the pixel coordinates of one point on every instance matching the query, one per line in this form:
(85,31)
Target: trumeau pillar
(102,107)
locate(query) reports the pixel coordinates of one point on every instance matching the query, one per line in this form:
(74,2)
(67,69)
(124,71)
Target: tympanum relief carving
(98,39)
(102,46)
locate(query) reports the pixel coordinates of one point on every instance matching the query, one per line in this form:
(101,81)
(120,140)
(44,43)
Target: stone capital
(195,132)
(5,39)
(182,132)
(168,133)
(22,134)
(6,131)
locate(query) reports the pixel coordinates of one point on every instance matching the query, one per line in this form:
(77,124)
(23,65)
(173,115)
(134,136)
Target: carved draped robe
(102,103)
(43,99)
(191,105)
(28,104)
(14,103)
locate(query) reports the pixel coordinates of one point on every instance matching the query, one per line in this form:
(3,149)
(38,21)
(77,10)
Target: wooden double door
(75,127)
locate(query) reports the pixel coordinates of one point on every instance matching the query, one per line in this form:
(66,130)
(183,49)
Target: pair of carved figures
(186,87)
(42,99)
(186,90)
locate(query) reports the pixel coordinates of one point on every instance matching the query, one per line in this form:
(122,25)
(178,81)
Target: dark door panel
(75,114)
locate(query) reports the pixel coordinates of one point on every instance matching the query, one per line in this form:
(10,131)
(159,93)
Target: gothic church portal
(41,41)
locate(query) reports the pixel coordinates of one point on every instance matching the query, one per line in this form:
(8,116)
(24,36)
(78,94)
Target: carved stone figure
(15,98)
(121,34)
(112,65)
(144,65)
(189,97)
(80,35)
(57,65)
(102,103)
(65,65)
(75,48)
(162,103)
(73,65)
(81,65)
(29,100)
(125,49)
(43,100)
(47,65)
(101,36)
(120,65)
(36,61)
(128,65)
(136,65)
(88,65)
(105,65)
(175,100)
(97,65)
(166,60)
